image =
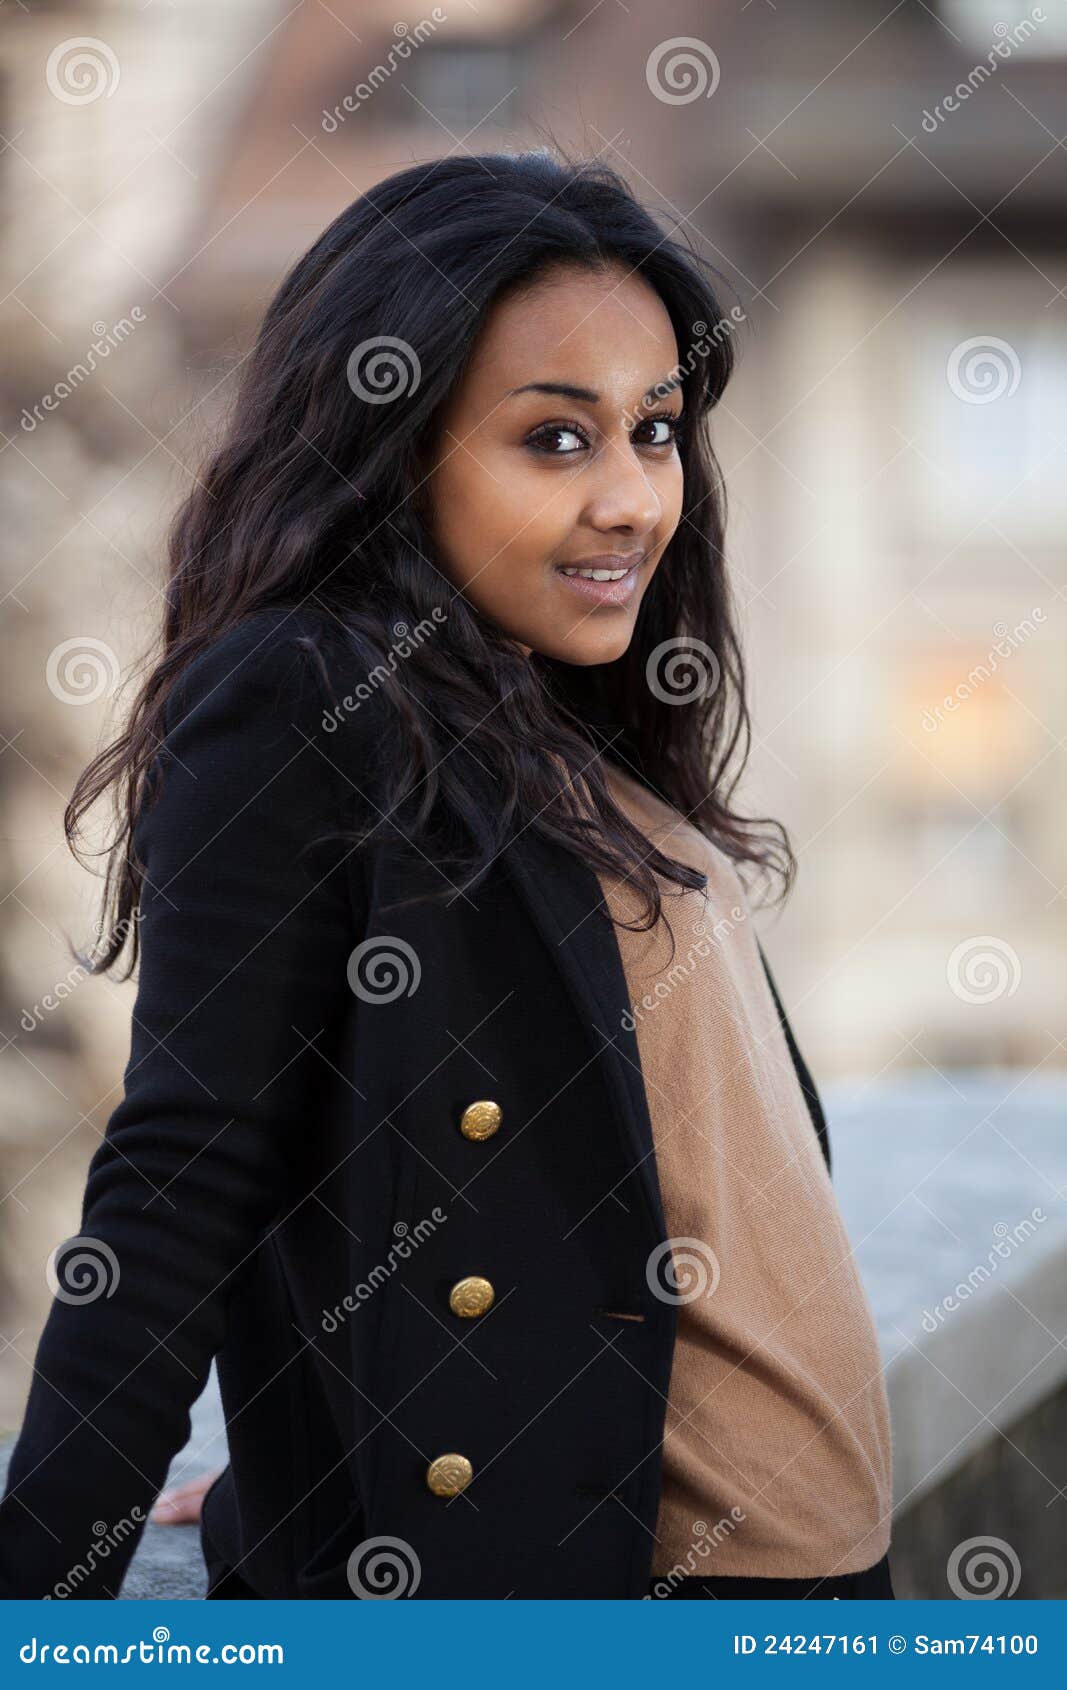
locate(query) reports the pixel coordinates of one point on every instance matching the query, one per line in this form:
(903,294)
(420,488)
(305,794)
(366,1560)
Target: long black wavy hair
(315,497)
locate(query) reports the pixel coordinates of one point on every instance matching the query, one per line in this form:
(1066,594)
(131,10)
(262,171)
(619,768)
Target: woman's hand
(181,1503)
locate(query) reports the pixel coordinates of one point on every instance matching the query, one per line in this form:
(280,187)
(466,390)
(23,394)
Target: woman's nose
(623,496)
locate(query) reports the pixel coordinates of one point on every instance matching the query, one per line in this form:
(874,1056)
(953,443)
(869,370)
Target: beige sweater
(777,1454)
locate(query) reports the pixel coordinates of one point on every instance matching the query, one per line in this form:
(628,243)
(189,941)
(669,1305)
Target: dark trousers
(222,1579)
(873,1583)
(225,1583)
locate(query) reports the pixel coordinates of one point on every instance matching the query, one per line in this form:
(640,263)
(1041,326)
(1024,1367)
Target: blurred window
(459,83)
(979,23)
(987,408)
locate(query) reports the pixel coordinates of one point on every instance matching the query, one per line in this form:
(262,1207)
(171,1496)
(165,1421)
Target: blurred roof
(919,118)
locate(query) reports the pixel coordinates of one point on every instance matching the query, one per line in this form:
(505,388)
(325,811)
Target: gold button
(447,1475)
(470,1296)
(481,1119)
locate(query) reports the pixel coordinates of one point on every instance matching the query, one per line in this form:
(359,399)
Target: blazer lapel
(564,898)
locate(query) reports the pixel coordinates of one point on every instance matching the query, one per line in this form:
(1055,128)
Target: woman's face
(556,454)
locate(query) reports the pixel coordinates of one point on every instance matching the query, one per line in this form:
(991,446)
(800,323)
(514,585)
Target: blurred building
(890,442)
(111,119)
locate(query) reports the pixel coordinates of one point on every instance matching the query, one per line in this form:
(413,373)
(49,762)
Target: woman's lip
(602,592)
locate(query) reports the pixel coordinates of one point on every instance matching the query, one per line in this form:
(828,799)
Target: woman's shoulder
(262,648)
(674,834)
(256,721)
(280,667)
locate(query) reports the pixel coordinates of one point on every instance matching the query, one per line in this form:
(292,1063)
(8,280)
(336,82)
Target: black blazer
(295,1181)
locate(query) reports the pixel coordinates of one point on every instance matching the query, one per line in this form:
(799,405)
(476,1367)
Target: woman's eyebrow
(565,390)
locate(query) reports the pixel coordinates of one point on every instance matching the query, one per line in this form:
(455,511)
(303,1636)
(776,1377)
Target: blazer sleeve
(246,925)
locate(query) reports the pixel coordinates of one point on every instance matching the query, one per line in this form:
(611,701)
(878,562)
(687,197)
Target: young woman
(462,1121)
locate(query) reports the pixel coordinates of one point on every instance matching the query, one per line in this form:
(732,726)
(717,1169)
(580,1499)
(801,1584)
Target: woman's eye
(666,430)
(545,439)
(564,440)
